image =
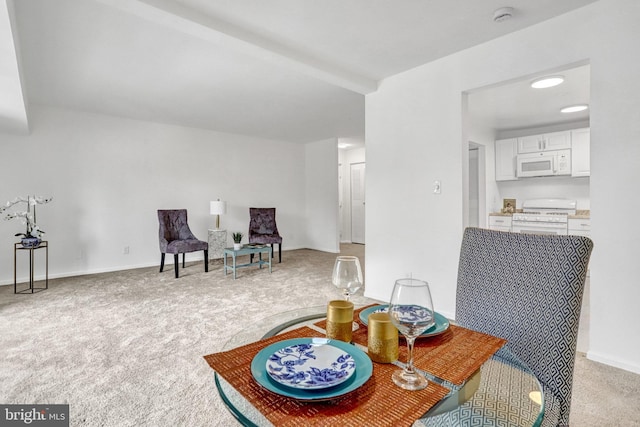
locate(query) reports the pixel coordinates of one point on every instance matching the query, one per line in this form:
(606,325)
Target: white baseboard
(168,263)
(607,360)
(37,278)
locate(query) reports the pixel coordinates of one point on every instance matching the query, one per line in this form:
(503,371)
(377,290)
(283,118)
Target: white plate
(362,375)
(310,366)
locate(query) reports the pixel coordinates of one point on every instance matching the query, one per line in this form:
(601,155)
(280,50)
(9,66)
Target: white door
(357,202)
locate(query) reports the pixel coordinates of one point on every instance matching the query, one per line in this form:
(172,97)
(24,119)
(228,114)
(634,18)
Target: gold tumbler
(340,320)
(383,338)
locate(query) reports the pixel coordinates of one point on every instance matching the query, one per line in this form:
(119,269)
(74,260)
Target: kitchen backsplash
(544,188)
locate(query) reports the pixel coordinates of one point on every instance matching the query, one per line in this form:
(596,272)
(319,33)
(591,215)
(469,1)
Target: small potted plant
(237,238)
(32,236)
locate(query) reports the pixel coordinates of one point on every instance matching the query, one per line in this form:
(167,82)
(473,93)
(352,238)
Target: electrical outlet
(126,250)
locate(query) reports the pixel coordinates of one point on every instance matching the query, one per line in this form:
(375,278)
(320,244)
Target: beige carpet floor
(125,348)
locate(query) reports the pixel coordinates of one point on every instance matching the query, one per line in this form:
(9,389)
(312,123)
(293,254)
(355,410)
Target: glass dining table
(504,391)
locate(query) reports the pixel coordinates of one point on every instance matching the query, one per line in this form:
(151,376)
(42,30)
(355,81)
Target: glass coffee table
(503,392)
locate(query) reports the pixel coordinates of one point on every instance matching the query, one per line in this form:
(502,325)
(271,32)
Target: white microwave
(544,163)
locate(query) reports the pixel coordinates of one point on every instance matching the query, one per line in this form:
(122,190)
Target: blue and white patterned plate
(310,366)
(360,377)
(442,323)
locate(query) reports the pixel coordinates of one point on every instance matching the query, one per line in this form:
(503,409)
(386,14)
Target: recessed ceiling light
(574,108)
(343,145)
(548,81)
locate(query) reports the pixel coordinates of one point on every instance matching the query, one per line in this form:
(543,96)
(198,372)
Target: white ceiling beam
(186,20)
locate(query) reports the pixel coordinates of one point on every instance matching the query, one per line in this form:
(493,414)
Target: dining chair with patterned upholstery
(527,289)
(176,238)
(263,229)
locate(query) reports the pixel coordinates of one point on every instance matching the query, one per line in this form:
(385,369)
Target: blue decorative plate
(310,366)
(442,323)
(357,379)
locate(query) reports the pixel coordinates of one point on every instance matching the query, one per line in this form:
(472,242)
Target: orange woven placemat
(379,402)
(452,356)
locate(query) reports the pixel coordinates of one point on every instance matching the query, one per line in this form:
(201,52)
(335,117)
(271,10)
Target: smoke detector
(502,14)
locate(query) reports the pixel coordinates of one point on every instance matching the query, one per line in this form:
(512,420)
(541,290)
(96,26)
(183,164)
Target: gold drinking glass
(339,320)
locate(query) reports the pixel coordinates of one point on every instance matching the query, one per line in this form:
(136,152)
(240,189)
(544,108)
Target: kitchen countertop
(581,214)
(504,213)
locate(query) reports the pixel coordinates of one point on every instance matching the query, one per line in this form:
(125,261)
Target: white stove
(544,216)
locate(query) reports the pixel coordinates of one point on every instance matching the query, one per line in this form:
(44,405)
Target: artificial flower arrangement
(28,216)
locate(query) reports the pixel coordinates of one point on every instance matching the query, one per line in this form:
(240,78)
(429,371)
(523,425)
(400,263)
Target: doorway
(474,182)
(357,177)
(477,188)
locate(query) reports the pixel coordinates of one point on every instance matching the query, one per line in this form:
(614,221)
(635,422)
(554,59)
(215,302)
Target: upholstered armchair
(176,238)
(263,228)
(527,289)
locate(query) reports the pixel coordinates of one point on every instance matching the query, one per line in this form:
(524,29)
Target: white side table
(217,243)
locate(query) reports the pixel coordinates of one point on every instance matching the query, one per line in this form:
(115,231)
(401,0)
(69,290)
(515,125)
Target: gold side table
(31,289)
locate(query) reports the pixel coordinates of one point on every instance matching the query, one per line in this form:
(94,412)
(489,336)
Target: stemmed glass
(411,311)
(347,276)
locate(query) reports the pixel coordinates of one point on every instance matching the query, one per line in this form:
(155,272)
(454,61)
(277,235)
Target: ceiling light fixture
(502,14)
(574,108)
(547,81)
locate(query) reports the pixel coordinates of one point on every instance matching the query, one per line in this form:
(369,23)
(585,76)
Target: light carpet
(125,348)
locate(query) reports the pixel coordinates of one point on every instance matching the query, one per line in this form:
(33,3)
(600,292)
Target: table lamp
(218,208)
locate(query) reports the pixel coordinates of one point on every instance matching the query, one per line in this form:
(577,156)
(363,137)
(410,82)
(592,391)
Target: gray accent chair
(527,289)
(263,229)
(176,238)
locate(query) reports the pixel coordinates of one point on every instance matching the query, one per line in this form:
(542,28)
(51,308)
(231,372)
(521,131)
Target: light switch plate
(437,187)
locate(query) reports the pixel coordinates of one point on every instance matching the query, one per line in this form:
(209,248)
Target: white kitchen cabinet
(557,141)
(544,142)
(580,152)
(500,222)
(506,159)
(529,144)
(580,226)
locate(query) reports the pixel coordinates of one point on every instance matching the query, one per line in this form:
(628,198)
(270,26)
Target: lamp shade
(218,207)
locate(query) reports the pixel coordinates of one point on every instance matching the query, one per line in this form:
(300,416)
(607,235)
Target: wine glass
(411,311)
(347,276)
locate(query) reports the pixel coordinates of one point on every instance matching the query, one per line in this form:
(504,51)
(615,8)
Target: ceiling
(292,70)
(516,105)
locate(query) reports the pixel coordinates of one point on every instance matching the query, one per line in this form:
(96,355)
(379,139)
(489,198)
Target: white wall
(415,135)
(321,189)
(108,176)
